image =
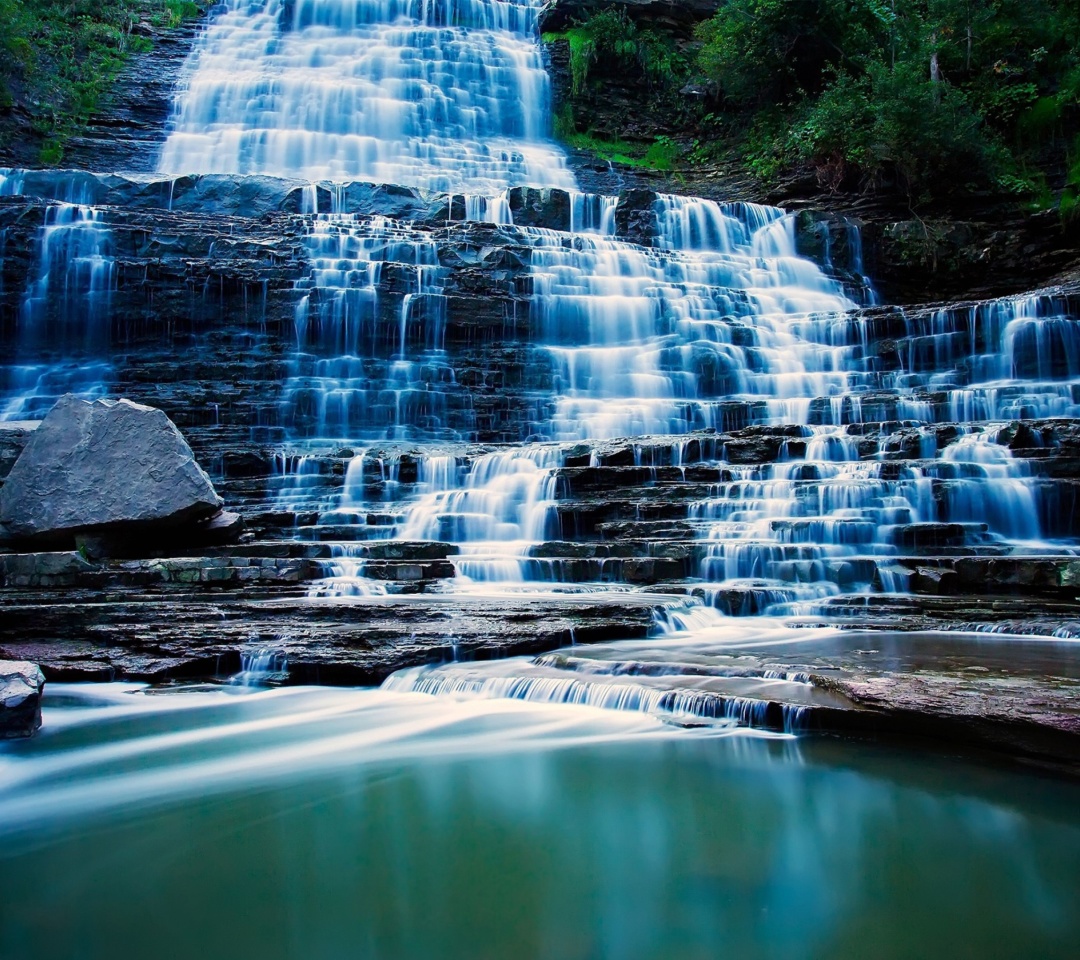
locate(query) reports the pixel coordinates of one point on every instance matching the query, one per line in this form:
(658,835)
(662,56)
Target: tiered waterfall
(465,376)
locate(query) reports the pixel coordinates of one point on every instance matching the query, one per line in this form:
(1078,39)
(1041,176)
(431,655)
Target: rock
(21,684)
(222,528)
(532,207)
(94,466)
(635,216)
(14,436)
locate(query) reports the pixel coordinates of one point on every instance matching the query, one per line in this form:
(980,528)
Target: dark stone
(635,217)
(21,686)
(101,466)
(532,207)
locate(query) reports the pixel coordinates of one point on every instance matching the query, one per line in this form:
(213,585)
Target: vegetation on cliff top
(58,58)
(930,97)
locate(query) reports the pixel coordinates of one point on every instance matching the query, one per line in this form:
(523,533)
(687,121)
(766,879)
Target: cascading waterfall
(660,342)
(446,95)
(367,366)
(64,321)
(504,506)
(718,325)
(724,326)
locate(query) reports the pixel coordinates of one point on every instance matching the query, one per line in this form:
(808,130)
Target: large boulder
(110,466)
(21,684)
(14,436)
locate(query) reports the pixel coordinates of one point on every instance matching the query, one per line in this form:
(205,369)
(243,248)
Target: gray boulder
(14,436)
(110,465)
(21,684)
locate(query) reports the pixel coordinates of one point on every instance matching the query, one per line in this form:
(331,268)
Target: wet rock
(532,207)
(635,217)
(21,685)
(79,637)
(14,436)
(104,466)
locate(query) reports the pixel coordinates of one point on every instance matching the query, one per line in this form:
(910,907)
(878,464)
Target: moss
(660,155)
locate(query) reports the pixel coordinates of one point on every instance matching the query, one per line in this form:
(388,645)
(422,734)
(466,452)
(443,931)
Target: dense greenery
(59,57)
(928,97)
(607,44)
(931,95)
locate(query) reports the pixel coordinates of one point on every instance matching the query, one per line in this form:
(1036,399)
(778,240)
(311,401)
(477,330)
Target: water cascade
(64,324)
(367,365)
(486,381)
(721,326)
(449,96)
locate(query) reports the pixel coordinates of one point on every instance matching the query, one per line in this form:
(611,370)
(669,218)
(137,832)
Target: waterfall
(369,366)
(64,321)
(445,95)
(713,322)
(654,341)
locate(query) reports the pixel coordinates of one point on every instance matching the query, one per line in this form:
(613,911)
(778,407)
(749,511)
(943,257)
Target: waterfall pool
(315,822)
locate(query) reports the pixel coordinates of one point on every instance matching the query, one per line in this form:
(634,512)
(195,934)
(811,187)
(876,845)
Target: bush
(935,95)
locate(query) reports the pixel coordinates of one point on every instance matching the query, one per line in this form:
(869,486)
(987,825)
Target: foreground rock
(1011,696)
(158,638)
(107,467)
(21,684)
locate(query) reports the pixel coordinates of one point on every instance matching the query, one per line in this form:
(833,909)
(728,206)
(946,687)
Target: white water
(445,95)
(63,332)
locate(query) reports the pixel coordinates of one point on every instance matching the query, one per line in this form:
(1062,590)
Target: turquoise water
(321,823)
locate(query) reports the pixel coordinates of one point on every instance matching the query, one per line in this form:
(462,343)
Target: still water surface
(319,823)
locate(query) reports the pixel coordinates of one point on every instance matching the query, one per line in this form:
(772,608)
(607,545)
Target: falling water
(448,95)
(63,327)
(718,324)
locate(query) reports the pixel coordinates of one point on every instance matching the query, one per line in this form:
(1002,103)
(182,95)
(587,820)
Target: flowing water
(641,798)
(448,95)
(63,330)
(323,823)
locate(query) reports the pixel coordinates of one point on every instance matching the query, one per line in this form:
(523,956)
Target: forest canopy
(927,93)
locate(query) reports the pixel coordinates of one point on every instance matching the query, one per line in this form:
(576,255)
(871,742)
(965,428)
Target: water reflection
(335,823)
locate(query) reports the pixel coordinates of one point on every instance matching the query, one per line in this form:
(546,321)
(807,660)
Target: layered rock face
(472,424)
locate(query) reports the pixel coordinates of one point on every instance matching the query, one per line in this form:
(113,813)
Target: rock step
(186,635)
(400,570)
(70,569)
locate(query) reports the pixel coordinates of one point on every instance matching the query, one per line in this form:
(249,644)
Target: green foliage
(662,154)
(564,122)
(52,152)
(58,58)
(617,151)
(177,11)
(610,44)
(609,41)
(933,95)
